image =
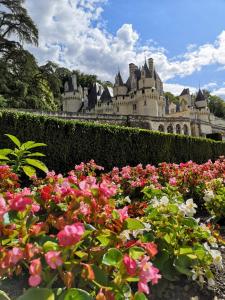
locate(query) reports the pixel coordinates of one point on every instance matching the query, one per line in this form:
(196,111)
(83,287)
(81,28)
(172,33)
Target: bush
(70,142)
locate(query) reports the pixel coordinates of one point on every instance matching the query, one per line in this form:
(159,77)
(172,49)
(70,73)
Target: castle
(142,96)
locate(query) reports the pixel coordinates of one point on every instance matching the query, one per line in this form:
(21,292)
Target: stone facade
(142,96)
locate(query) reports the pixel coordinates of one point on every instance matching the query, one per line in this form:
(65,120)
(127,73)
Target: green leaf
(183,265)
(140,296)
(186,250)
(133,224)
(37,163)
(77,294)
(35,154)
(14,139)
(38,294)
(29,171)
(3,157)
(25,146)
(136,252)
(104,239)
(4,296)
(36,145)
(49,246)
(100,276)
(112,258)
(5,152)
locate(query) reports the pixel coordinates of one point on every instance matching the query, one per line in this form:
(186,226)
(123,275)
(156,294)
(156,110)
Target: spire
(200,96)
(146,70)
(119,80)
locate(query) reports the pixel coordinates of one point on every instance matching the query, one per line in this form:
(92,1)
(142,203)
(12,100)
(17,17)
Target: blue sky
(173,25)
(186,38)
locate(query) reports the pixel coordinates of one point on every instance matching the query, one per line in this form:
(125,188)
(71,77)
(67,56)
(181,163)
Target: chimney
(132,68)
(74,82)
(151,66)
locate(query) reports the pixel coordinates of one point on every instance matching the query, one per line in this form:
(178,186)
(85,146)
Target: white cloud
(72,34)
(220,92)
(176,88)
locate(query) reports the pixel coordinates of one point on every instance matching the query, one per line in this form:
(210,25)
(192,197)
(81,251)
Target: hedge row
(70,142)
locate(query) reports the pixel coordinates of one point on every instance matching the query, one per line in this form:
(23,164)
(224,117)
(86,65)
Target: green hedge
(71,142)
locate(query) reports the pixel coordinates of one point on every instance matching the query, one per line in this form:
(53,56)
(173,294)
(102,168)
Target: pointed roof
(118,79)
(185,92)
(147,71)
(200,96)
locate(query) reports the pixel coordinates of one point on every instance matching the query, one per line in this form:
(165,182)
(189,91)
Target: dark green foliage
(71,142)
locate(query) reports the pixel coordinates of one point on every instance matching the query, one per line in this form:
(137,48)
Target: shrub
(70,142)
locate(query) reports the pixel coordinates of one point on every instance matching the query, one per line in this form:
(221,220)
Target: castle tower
(119,88)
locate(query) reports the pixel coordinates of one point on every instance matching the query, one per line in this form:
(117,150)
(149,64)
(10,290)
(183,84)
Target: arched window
(161,128)
(170,129)
(178,129)
(186,131)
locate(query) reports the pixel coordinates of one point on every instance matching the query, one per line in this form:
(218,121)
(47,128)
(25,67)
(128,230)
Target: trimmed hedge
(71,142)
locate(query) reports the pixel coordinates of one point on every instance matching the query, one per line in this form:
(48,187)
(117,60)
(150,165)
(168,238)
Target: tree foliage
(217,106)
(15,22)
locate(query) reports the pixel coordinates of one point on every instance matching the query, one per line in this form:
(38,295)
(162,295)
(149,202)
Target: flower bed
(96,235)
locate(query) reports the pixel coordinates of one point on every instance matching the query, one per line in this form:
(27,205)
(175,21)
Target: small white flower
(155,202)
(209,195)
(127,199)
(188,208)
(125,235)
(211,282)
(217,258)
(164,201)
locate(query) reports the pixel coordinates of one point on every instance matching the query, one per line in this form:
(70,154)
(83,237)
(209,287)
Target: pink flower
(53,259)
(3,207)
(143,287)
(108,189)
(88,184)
(71,234)
(16,254)
(34,280)
(35,272)
(151,248)
(148,272)
(130,265)
(20,200)
(123,213)
(173,181)
(35,267)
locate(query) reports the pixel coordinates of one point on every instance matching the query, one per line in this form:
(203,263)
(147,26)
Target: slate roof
(200,96)
(185,92)
(119,80)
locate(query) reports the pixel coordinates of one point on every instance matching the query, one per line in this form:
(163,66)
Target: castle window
(134,107)
(118,109)
(178,129)
(143,91)
(161,128)
(185,129)
(145,103)
(123,97)
(170,128)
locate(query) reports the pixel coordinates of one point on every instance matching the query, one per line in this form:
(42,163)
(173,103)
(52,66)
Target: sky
(186,38)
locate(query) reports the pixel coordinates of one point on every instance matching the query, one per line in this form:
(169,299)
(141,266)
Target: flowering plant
(68,231)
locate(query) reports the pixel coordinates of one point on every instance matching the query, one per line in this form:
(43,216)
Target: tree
(217,106)
(14,20)
(171,98)
(22,84)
